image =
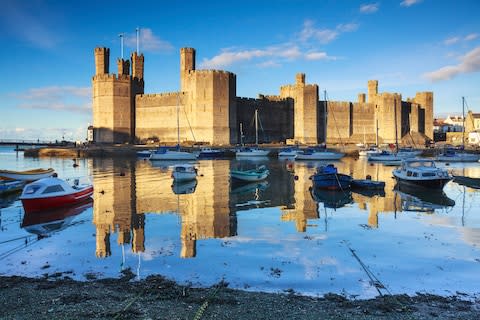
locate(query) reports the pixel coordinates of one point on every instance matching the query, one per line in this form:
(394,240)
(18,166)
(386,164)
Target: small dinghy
(28,175)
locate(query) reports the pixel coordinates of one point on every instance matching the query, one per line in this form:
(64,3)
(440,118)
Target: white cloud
(324,36)
(66,98)
(470,62)
(318,56)
(369,8)
(471,36)
(451,41)
(408,3)
(148,41)
(309,37)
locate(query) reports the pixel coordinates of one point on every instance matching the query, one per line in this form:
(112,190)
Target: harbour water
(279,235)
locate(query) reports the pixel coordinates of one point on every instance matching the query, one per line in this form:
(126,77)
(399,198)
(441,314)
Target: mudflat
(158,298)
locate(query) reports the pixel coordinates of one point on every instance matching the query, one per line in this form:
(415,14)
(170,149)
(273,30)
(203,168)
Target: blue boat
(9,186)
(327,177)
(209,153)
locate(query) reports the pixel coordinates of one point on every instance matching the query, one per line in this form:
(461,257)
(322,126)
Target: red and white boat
(49,193)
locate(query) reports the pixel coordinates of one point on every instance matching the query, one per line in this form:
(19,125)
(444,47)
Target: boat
(251,151)
(318,154)
(166,153)
(10,186)
(367,184)
(171,153)
(331,198)
(372,150)
(28,175)
(184,172)
(422,172)
(209,153)
(252,175)
(470,182)
(288,152)
(452,155)
(44,223)
(422,199)
(390,158)
(327,177)
(50,193)
(144,154)
(184,187)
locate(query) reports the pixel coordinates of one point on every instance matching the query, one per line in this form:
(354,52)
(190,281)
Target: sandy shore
(58,297)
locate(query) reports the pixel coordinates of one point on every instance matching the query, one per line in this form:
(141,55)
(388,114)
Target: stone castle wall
(210,111)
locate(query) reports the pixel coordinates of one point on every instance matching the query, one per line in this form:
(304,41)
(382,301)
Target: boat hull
(459,158)
(30,175)
(173,155)
(320,156)
(428,184)
(332,181)
(249,176)
(256,153)
(40,204)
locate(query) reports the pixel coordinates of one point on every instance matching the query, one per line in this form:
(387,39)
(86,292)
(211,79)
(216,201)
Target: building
(207,110)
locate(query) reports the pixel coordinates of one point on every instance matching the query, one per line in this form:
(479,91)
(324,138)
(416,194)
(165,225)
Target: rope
(373,279)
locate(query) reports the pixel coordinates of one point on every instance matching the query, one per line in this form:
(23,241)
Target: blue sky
(408,45)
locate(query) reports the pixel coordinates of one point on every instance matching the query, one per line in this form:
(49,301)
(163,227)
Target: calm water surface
(271,236)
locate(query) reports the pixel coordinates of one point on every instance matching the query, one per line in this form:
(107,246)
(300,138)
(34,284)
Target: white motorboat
(365,152)
(315,154)
(184,172)
(164,153)
(388,157)
(422,172)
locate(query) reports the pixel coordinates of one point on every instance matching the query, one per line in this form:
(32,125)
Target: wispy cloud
(451,41)
(456,39)
(324,35)
(148,41)
(23,21)
(369,8)
(66,98)
(305,46)
(471,36)
(470,62)
(408,3)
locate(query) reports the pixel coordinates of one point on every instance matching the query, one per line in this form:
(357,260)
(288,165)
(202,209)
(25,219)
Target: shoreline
(158,298)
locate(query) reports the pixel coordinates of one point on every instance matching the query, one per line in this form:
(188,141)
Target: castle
(207,110)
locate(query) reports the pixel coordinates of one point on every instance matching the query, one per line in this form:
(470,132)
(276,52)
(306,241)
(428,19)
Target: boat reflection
(422,199)
(238,188)
(185,187)
(6,200)
(44,223)
(331,198)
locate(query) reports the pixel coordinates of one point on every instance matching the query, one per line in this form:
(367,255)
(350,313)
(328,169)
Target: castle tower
(372,90)
(102,59)
(123,67)
(305,109)
(425,100)
(137,66)
(187,64)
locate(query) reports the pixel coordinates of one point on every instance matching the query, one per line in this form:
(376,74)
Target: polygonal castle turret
(114,97)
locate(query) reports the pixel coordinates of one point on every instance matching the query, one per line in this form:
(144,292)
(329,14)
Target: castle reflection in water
(127,191)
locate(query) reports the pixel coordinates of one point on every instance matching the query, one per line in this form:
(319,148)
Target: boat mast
(395,117)
(325,118)
(256,126)
(463,122)
(241,134)
(178,124)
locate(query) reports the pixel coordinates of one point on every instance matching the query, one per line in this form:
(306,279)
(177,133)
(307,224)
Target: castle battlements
(161,95)
(111,77)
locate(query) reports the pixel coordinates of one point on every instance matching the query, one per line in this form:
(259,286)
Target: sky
(407,45)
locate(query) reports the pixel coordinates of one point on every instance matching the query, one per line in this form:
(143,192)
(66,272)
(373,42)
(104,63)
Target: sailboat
(252,151)
(320,153)
(451,155)
(165,153)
